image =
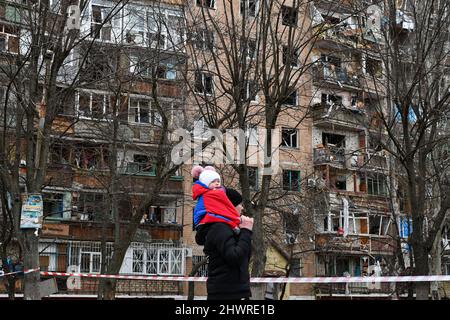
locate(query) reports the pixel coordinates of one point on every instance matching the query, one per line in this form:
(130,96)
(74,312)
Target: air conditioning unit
(311,183)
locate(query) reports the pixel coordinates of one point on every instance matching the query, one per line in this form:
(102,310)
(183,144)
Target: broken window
(331,99)
(291,100)
(333,140)
(376,184)
(134,24)
(101,23)
(289,137)
(204,39)
(203,83)
(379,225)
(92,206)
(91,157)
(374,67)
(92,105)
(290,55)
(141,165)
(60,154)
(9,40)
(139,110)
(53,205)
(248,47)
(249,90)
(289,16)
(248,8)
(206,3)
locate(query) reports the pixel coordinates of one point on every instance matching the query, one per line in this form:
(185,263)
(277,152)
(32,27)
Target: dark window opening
(289,137)
(291,180)
(289,16)
(333,140)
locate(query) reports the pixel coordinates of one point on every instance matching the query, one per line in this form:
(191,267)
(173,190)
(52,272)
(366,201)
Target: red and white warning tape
(16,272)
(263,280)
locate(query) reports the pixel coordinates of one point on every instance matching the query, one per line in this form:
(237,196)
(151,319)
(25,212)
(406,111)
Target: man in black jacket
(229,254)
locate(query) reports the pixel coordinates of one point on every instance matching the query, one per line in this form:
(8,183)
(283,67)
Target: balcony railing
(340,76)
(349,116)
(354,243)
(353,288)
(329,156)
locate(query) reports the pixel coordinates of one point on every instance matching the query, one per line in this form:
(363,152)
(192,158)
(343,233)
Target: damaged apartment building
(355,222)
(103,143)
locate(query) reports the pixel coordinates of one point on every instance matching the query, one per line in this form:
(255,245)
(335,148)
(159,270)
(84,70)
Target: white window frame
(103,25)
(6,36)
(200,129)
(251,134)
(91,260)
(284,145)
(203,76)
(155,117)
(106,104)
(296,99)
(166,262)
(248,88)
(210,4)
(246,3)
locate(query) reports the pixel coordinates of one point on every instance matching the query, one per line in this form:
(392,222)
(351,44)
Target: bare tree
(251,60)
(410,108)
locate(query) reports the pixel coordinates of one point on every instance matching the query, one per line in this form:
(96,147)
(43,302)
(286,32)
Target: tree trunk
(421,269)
(31,261)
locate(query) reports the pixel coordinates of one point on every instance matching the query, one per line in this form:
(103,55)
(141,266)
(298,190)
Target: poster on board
(32,211)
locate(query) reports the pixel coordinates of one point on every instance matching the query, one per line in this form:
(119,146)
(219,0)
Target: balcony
(356,244)
(357,288)
(333,36)
(335,75)
(372,161)
(331,155)
(339,117)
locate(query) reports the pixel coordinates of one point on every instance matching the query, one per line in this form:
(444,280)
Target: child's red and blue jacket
(213,206)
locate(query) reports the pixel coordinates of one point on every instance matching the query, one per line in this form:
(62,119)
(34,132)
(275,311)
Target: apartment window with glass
(206,3)
(249,8)
(203,83)
(157,32)
(250,90)
(290,55)
(141,165)
(92,206)
(250,46)
(376,185)
(253,177)
(134,24)
(291,100)
(289,137)
(204,39)
(92,105)
(251,135)
(141,111)
(101,23)
(289,16)
(291,180)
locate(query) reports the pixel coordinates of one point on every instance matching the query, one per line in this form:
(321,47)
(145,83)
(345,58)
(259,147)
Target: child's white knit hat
(208,176)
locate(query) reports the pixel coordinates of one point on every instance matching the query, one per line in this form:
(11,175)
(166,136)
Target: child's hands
(246,223)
